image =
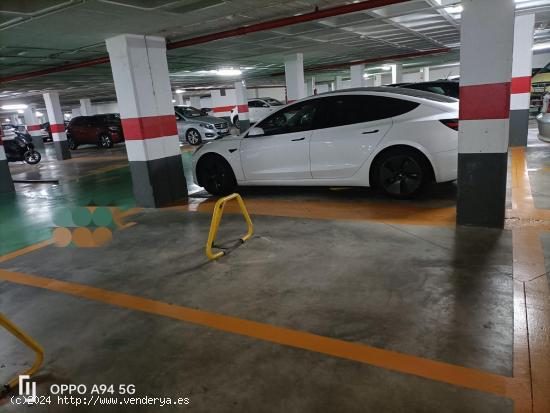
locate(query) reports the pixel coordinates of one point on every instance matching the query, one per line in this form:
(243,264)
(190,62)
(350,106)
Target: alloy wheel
(401,175)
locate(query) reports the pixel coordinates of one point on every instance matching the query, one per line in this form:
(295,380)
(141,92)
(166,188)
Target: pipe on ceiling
(239,31)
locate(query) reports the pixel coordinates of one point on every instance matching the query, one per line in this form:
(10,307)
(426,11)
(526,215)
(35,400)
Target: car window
(254,104)
(273,102)
(188,111)
(296,118)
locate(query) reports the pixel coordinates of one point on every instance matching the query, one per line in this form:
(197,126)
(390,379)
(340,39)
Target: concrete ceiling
(41,34)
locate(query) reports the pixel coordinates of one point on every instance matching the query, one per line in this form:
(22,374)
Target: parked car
(442,87)
(101,130)
(540,85)
(543,119)
(8,130)
(257,109)
(195,127)
(394,139)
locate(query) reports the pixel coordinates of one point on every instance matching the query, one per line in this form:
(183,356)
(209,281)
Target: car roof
(397,91)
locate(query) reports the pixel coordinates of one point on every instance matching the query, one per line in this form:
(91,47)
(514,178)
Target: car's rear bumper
(446,166)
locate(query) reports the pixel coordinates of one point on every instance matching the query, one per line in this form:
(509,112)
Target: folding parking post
(357,73)
(426,74)
(396,73)
(86,107)
(242,105)
(520,90)
(6,182)
(487,36)
(142,85)
(195,101)
(57,125)
(33,127)
(294,76)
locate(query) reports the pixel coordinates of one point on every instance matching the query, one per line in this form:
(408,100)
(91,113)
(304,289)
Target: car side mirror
(256,131)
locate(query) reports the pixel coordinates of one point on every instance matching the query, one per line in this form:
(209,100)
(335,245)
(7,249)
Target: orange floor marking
(378,212)
(443,372)
(25,250)
(531,293)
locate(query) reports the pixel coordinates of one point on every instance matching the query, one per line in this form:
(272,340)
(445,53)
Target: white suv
(257,109)
(394,139)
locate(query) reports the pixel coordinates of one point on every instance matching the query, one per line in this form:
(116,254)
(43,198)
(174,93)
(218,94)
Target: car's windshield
(273,102)
(188,111)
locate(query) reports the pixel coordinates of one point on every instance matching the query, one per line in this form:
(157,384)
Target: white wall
(435,74)
(541,59)
(108,107)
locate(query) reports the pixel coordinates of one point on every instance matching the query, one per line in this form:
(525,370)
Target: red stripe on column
(223,109)
(32,128)
(149,127)
(480,102)
(57,128)
(242,108)
(521,85)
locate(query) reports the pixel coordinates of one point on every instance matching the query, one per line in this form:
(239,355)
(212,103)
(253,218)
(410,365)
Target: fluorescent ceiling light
(20,111)
(7,120)
(180,91)
(458,8)
(386,67)
(228,72)
(39,114)
(542,46)
(14,107)
(173,100)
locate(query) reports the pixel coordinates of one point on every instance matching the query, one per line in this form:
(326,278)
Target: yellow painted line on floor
(25,250)
(377,212)
(531,294)
(391,360)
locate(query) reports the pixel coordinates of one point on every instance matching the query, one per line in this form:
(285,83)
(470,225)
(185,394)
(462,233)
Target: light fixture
(20,111)
(456,9)
(541,46)
(38,114)
(173,100)
(6,120)
(14,107)
(386,67)
(180,91)
(228,72)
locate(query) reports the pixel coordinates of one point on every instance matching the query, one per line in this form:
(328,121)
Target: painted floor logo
(27,388)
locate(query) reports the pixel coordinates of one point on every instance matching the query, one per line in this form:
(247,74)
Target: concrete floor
(342,264)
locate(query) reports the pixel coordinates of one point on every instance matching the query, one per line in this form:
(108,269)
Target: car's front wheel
(72,143)
(401,173)
(193,137)
(105,141)
(216,175)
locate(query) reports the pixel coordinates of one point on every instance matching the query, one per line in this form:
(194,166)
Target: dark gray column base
(38,143)
(158,183)
(62,151)
(244,125)
(519,126)
(6,183)
(481,189)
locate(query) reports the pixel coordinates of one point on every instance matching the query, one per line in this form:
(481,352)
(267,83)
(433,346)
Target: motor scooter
(21,148)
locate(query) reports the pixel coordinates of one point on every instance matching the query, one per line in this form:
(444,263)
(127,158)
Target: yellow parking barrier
(216,219)
(27,340)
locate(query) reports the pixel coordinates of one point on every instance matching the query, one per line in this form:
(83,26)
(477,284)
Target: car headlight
(206,125)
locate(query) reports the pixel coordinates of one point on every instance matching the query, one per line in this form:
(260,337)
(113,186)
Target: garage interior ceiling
(37,35)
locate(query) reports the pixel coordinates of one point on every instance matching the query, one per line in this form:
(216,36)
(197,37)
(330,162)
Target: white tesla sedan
(396,140)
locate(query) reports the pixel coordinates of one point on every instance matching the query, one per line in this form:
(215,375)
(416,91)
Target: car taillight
(451,123)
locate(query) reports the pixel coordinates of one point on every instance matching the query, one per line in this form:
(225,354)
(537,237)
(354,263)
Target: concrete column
(75,112)
(6,183)
(310,87)
(339,83)
(180,99)
(378,79)
(426,74)
(242,105)
(294,76)
(223,102)
(15,119)
(520,89)
(142,84)
(356,73)
(57,125)
(33,127)
(396,73)
(86,107)
(487,36)
(195,101)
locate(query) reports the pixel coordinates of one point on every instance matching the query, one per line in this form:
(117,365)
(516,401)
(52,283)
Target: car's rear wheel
(216,175)
(401,173)
(193,137)
(105,141)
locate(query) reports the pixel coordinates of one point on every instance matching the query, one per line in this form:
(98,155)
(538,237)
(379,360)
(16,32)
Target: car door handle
(370,131)
(298,139)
